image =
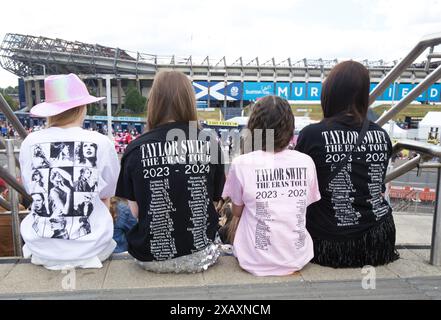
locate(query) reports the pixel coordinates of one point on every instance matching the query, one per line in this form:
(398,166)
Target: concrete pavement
(411,277)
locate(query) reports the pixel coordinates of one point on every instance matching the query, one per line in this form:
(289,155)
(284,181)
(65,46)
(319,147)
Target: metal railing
(12,206)
(10,177)
(10,115)
(13,198)
(425,152)
(429,41)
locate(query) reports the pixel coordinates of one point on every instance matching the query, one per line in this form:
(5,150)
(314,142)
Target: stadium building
(217,83)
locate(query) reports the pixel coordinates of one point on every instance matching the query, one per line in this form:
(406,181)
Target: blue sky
(343,29)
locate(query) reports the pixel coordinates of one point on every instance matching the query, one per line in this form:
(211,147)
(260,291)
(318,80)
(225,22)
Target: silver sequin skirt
(192,263)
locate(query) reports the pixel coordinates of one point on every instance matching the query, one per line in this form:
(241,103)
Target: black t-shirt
(353,202)
(174,182)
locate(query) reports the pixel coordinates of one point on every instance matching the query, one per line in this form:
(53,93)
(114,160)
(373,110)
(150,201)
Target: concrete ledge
(385,289)
(122,278)
(122,274)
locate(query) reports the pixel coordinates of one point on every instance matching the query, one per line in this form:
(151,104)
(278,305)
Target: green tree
(12,103)
(11,90)
(134,100)
(92,109)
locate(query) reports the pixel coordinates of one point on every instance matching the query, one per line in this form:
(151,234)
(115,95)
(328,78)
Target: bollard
(13,199)
(435,253)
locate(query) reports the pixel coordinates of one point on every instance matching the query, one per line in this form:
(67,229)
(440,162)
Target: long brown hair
(228,221)
(346,92)
(172,98)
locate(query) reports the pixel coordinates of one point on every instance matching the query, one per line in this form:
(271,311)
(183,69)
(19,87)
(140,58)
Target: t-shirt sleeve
(25,165)
(110,170)
(233,186)
(124,188)
(301,143)
(313,192)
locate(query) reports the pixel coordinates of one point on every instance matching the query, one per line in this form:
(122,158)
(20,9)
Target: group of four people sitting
(322,202)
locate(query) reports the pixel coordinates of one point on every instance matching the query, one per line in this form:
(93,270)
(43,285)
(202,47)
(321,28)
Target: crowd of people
(175,209)
(7,130)
(121,137)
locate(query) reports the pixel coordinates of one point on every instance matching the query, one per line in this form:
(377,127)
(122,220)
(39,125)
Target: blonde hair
(65,117)
(172,98)
(113,203)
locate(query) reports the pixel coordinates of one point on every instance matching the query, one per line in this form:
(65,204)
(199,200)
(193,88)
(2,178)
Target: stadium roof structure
(26,55)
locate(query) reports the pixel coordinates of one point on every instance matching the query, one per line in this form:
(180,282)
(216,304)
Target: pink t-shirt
(275,189)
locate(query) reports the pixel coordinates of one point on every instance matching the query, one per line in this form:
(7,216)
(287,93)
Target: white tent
(394,131)
(241,121)
(301,122)
(431,122)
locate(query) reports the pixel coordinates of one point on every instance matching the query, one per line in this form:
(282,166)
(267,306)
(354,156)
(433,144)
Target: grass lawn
(314,111)
(413,110)
(202,115)
(210,115)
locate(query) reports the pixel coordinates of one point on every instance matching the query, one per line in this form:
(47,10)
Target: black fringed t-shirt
(353,202)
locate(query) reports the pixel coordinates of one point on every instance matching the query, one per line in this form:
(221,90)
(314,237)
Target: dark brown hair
(272,112)
(346,92)
(172,98)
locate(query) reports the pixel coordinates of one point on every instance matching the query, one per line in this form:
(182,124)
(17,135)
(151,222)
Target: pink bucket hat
(63,92)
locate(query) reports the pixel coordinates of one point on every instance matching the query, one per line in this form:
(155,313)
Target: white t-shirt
(68,172)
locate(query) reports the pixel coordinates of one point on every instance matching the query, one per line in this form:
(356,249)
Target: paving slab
(315,272)
(5,269)
(125,274)
(227,271)
(353,290)
(424,254)
(26,277)
(413,229)
(411,265)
